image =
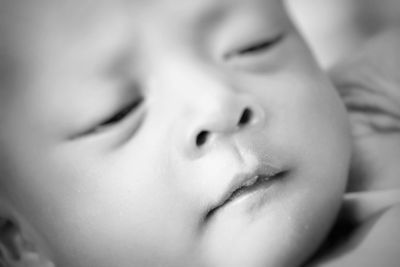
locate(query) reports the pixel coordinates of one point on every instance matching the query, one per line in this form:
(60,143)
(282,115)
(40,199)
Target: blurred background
(335,28)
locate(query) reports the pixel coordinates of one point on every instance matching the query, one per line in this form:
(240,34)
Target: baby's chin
(273,229)
(256,248)
(265,241)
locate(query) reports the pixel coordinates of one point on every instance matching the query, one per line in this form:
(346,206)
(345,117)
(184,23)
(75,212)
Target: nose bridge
(194,82)
(199,90)
(211,99)
(210,106)
(212,96)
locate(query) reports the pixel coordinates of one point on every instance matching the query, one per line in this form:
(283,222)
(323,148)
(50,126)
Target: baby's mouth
(246,185)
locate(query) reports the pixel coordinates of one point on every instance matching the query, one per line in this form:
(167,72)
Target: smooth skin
(369,84)
(123,123)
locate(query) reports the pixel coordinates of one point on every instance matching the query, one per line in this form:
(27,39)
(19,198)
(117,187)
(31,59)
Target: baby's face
(170,133)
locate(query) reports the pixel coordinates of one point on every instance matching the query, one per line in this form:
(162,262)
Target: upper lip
(245,180)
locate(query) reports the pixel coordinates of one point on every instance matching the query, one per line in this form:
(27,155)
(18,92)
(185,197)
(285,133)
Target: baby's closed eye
(117,117)
(257,54)
(256,47)
(129,109)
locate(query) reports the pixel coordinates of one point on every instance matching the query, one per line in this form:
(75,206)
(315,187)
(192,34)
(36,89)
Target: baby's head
(165,133)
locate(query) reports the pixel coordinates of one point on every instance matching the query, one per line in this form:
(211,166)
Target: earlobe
(16,250)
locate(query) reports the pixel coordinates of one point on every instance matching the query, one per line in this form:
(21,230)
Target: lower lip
(256,198)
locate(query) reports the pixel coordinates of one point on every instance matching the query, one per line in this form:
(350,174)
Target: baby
(369,84)
(164,133)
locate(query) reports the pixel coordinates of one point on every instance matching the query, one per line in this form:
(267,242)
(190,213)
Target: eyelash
(118,116)
(256,47)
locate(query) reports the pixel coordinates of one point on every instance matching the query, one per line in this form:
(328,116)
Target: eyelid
(117,117)
(256,47)
(121,114)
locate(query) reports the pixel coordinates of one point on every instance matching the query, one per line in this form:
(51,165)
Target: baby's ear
(17,249)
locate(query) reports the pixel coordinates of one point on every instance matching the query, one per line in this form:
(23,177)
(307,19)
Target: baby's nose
(221,119)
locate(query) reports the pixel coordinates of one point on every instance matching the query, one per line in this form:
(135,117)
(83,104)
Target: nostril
(201,138)
(246,117)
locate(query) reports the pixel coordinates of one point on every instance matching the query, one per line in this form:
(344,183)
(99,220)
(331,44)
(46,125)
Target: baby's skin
(164,133)
(369,84)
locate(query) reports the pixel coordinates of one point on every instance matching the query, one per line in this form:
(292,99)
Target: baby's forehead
(36,14)
(37,28)
(74,10)
(77,13)
(46,20)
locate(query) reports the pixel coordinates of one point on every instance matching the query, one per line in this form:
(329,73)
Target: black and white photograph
(199,133)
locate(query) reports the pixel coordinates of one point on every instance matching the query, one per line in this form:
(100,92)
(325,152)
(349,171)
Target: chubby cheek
(325,127)
(317,128)
(308,123)
(116,213)
(307,116)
